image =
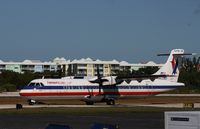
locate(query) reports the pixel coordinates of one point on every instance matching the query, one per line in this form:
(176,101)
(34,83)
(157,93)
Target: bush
(8,88)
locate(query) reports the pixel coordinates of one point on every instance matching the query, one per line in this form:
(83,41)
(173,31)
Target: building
(88,67)
(143,65)
(82,67)
(28,65)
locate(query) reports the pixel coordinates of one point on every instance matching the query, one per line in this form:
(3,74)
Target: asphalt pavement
(138,120)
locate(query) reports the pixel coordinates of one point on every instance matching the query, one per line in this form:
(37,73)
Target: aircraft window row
(35,84)
(107,87)
(131,87)
(81,87)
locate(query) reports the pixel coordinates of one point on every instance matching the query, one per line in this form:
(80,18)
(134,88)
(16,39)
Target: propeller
(99,79)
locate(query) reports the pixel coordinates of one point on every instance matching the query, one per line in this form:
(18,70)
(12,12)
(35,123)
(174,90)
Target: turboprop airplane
(107,89)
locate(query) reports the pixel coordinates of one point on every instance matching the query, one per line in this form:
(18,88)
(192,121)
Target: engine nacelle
(111,80)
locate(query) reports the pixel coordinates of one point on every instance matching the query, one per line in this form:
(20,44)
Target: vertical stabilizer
(171,66)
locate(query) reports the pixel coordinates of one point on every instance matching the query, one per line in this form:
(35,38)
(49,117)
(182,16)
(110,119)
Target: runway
(127,113)
(8,100)
(176,105)
(13,106)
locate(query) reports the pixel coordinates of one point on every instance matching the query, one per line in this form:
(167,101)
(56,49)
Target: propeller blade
(99,79)
(98,72)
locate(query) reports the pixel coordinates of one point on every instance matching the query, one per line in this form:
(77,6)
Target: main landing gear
(31,102)
(110,102)
(89,103)
(107,101)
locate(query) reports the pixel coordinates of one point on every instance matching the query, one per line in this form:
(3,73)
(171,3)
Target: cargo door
(149,87)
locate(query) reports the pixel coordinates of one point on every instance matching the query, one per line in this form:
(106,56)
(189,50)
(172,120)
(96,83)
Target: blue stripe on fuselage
(97,87)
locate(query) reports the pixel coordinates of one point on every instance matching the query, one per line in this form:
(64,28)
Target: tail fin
(171,66)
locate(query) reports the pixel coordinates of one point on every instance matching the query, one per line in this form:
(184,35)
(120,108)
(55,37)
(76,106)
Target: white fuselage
(80,88)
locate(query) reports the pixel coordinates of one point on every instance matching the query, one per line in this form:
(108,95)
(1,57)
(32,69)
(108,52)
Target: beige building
(88,67)
(28,65)
(82,67)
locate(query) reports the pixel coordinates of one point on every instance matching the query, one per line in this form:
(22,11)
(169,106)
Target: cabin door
(149,87)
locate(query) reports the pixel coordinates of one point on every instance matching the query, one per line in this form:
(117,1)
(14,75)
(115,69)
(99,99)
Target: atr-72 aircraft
(107,89)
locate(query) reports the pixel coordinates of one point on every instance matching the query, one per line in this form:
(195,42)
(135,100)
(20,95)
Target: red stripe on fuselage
(173,63)
(86,93)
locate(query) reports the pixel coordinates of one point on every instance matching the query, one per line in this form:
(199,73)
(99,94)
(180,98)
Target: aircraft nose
(20,92)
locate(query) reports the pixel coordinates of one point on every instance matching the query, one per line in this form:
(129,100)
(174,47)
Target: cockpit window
(35,84)
(31,84)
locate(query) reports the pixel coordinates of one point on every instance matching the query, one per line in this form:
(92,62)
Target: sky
(130,30)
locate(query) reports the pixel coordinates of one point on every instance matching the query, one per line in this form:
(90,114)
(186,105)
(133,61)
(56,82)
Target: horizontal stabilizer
(185,54)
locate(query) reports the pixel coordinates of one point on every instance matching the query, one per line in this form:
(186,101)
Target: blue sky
(131,30)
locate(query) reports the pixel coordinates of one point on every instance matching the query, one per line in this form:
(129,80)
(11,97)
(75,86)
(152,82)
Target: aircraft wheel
(89,103)
(31,102)
(110,102)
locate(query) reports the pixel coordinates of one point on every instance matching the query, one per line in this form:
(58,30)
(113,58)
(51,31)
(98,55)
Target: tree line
(12,81)
(189,74)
